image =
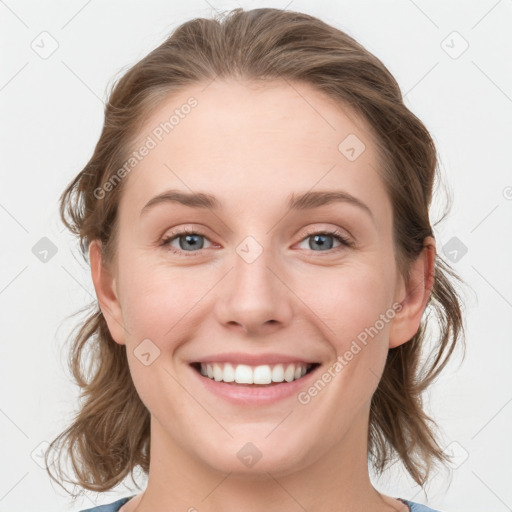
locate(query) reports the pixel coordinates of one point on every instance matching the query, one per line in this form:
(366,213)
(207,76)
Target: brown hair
(110,434)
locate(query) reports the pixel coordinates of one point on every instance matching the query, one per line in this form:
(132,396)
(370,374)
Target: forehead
(246,141)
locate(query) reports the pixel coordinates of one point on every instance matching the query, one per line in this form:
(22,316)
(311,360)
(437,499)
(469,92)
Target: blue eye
(194,240)
(320,239)
(187,239)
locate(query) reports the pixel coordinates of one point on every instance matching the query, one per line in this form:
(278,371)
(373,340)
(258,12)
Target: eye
(186,239)
(321,240)
(191,241)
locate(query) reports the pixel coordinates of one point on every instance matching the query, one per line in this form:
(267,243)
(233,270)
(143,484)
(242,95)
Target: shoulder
(111,507)
(116,505)
(418,507)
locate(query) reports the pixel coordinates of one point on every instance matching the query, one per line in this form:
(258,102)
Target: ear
(413,295)
(106,292)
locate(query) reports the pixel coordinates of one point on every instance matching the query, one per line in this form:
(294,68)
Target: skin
(251,147)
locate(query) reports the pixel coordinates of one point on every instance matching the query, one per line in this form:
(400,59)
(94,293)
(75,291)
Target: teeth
(262,375)
(228,373)
(217,372)
(278,373)
(245,374)
(289,373)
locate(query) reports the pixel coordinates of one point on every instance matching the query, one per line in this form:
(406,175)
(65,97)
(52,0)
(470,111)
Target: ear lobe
(105,286)
(414,295)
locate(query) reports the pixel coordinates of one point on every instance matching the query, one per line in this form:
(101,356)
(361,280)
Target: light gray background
(52,113)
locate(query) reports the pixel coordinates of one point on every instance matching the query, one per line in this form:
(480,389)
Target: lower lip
(248,394)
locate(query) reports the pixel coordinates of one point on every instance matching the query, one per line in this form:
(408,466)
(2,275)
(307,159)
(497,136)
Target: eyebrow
(305,201)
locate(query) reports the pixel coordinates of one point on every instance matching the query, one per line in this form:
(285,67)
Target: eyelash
(188,231)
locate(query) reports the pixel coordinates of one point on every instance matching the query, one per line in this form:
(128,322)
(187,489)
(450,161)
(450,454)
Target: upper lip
(252,359)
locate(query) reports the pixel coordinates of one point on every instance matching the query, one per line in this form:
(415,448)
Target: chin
(254,460)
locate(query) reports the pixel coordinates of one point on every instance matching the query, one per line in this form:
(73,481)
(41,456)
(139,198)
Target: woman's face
(255,282)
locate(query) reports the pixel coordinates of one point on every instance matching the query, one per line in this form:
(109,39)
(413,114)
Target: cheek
(156,299)
(350,300)
(356,311)
(355,306)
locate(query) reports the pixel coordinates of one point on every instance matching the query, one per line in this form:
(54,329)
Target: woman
(256,215)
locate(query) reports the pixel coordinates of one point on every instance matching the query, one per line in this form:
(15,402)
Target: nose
(254,296)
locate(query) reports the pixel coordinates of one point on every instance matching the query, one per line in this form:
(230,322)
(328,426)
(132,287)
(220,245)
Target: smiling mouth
(254,376)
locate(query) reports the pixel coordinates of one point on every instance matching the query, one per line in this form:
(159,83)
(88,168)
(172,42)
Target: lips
(253,359)
(245,394)
(253,369)
(254,379)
